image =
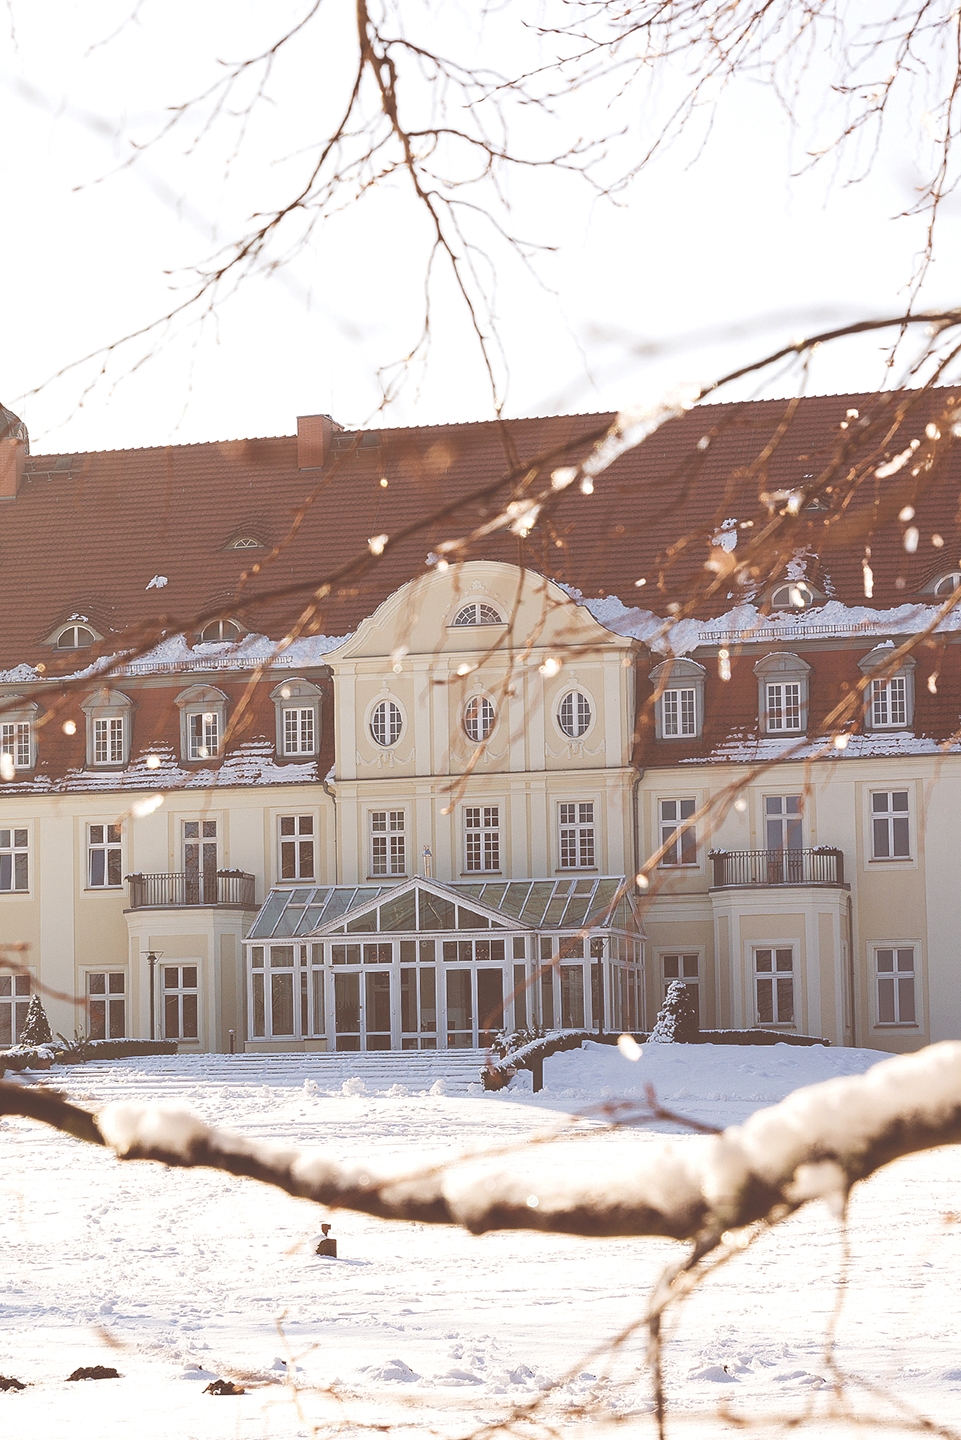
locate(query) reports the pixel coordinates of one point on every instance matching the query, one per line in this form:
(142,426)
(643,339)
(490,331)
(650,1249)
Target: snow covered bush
(677,1018)
(36,1028)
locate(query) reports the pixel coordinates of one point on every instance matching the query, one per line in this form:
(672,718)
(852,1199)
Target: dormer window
(108,715)
(298,718)
(793,595)
(889,699)
(203,715)
(219,632)
(679,699)
(18,735)
(75,637)
(947,585)
(245,542)
(478,612)
(783,693)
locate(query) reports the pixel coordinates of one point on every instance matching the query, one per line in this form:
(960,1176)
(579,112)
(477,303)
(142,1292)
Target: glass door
(200,862)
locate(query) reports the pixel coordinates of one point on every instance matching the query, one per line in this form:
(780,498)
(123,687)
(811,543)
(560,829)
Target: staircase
(380,1070)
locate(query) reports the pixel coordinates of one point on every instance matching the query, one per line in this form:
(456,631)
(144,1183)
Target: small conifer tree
(36,1027)
(677,1018)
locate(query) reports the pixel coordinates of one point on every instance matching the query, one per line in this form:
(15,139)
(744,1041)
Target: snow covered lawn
(176,1277)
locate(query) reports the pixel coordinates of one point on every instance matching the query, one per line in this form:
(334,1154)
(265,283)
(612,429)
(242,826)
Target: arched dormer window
(109,717)
(75,635)
(297,704)
(203,717)
(946,585)
(477,612)
(889,701)
(782,682)
(794,595)
(679,699)
(220,632)
(244,542)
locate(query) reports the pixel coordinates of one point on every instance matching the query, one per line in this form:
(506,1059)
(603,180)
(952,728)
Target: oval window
(218,631)
(386,723)
(574,714)
(948,583)
(75,637)
(479,718)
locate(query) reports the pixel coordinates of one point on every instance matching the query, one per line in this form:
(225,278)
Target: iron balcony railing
(233,888)
(824,866)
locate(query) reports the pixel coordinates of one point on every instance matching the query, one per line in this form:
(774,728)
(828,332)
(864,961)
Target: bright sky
(705,242)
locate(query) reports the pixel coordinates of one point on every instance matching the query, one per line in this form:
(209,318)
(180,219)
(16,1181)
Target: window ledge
(102,889)
(891,860)
(897,1025)
(576,870)
(473,874)
(380,879)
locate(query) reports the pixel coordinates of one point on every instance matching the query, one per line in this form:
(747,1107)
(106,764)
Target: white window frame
(17,1002)
(14,860)
(687,967)
(112,998)
(770,975)
(109,842)
(674,718)
(389,858)
(781,712)
(581,714)
(685,857)
(482,839)
(203,716)
(476,612)
(221,632)
(18,731)
(900,966)
(896,823)
(301,830)
(109,716)
(889,701)
(480,717)
(576,835)
(180,991)
(300,698)
(386,715)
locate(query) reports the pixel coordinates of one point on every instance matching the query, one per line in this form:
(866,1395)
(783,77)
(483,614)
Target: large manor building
(333,790)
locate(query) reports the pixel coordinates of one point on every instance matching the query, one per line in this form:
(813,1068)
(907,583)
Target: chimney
(313,440)
(14,449)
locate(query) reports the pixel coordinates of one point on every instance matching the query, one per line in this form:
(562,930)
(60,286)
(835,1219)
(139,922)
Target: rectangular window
(104,866)
(14,873)
(783,709)
(774,986)
(14,1003)
(686,968)
(203,735)
(106,1004)
(895,974)
(180,1002)
(678,713)
(15,742)
(577,850)
(388,843)
(782,822)
(482,840)
(108,741)
(296,847)
(681,850)
(299,730)
(889,703)
(890,831)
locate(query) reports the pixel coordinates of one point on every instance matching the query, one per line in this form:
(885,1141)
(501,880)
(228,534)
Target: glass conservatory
(421,965)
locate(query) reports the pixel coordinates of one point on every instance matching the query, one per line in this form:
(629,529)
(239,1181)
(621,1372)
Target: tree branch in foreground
(816,1144)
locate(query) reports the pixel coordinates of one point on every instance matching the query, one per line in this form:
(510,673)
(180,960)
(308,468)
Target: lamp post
(152,957)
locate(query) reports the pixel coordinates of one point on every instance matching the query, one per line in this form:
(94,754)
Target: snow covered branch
(816,1144)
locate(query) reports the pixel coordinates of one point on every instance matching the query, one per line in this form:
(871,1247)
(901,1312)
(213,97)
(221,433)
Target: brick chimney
(314,434)
(14,449)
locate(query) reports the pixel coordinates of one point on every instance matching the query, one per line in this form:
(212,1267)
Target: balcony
(230,889)
(763,868)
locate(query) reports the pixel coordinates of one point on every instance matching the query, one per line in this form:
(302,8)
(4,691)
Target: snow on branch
(815,1144)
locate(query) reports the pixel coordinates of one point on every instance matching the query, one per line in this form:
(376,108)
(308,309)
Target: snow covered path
(155,1271)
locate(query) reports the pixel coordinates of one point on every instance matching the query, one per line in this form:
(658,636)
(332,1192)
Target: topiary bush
(36,1028)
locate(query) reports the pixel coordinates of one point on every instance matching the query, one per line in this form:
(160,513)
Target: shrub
(677,1018)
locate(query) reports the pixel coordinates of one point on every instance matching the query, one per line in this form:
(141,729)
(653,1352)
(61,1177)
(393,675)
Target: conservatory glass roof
(427,905)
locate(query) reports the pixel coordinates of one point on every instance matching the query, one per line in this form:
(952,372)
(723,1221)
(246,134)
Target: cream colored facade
(524,664)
